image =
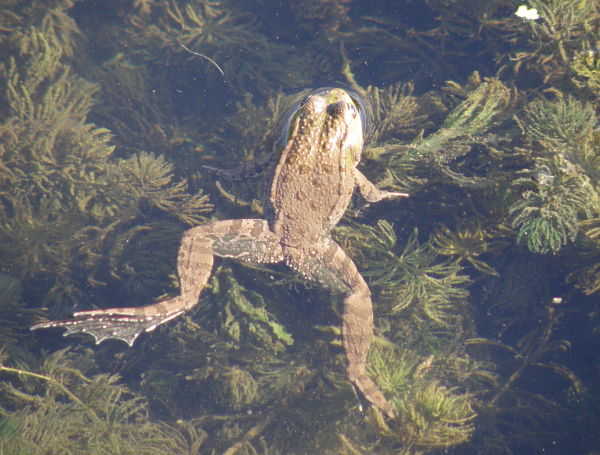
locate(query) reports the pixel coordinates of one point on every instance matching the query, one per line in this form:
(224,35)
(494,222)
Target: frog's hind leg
(328,264)
(247,240)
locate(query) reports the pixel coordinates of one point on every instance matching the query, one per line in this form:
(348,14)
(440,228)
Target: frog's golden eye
(353,110)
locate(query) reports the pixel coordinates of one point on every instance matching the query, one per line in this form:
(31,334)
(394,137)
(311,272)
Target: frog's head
(335,112)
(345,111)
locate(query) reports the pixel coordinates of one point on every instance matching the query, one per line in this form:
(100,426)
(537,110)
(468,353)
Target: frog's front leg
(328,264)
(370,192)
(248,240)
(248,169)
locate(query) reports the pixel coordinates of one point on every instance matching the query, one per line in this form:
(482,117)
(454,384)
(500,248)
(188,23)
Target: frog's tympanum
(312,186)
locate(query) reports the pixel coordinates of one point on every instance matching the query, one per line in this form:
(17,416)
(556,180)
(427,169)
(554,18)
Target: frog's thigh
(249,240)
(328,264)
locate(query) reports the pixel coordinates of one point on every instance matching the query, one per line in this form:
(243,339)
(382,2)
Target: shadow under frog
(312,186)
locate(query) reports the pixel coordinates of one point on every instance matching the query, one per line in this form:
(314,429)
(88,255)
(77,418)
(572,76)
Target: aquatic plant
(405,277)
(586,66)
(566,122)
(63,201)
(437,416)
(394,370)
(444,154)
(430,414)
(55,404)
(51,20)
(547,47)
(484,102)
(212,33)
(465,244)
(547,213)
(396,114)
(565,127)
(149,180)
(556,193)
(245,317)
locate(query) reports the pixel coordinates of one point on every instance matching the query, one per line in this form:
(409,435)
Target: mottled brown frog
(312,186)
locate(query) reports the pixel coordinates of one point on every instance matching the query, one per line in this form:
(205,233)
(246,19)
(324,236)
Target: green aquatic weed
(556,193)
(472,121)
(51,20)
(149,180)
(546,47)
(437,416)
(466,243)
(64,200)
(395,112)
(406,277)
(566,122)
(392,370)
(57,405)
(233,388)
(586,65)
(431,416)
(546,214)
(245,316)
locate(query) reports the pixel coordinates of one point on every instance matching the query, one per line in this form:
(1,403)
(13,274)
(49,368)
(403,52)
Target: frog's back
(314,179)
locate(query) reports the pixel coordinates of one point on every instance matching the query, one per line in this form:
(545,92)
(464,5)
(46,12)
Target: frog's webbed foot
(248,240)
(369,392)
(117,323)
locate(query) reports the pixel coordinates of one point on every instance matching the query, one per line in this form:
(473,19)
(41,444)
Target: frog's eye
(363,109)
(305,100)
(358,104)
(353,110)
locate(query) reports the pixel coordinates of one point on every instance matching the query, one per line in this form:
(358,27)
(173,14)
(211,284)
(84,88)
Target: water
(484,281)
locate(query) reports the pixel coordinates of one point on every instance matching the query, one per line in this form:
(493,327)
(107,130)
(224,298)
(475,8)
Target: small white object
(527,14)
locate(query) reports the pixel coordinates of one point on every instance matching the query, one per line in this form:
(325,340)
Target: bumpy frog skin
(312,186)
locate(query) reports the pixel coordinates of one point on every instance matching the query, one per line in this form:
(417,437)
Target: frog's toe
(103,325)
(392,194)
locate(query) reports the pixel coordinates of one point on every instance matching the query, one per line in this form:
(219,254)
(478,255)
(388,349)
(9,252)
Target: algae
(484,280)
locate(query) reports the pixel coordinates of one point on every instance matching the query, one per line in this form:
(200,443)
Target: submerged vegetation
(484,281)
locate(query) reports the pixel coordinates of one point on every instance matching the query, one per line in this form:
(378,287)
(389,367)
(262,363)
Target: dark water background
(484,281)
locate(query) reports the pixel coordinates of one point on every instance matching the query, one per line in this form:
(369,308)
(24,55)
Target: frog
(312,185)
